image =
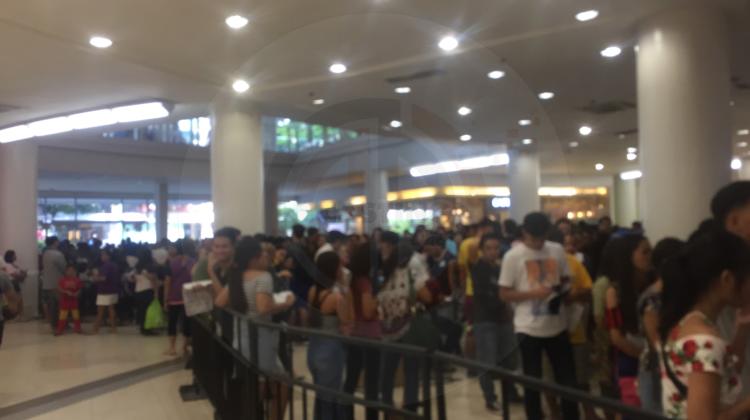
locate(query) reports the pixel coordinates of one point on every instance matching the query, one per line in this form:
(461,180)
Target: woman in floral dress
(709,276)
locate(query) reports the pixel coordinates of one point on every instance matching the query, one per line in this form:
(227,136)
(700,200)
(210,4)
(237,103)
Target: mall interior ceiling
(531,73)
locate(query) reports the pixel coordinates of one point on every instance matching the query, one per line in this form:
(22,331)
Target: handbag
(422,331)
(154,316)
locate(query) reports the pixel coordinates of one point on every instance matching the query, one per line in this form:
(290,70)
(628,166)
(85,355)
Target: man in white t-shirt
(535,278)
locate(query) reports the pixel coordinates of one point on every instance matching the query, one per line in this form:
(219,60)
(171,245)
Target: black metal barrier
(238,389)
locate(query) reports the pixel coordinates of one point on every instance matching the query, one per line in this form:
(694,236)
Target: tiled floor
(34,364)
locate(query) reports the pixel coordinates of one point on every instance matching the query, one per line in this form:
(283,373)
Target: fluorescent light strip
(460,165)
(630,175)
(84,120)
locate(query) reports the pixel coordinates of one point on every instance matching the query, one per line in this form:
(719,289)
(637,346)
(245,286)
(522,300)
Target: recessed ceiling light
(496,74)
(396,124)
(621,136)
(19,132)
(587,15)
(527,142)
(631,156)
(573,144)
(742,144)
(524,122)
(402,90)
(464,111)
(50,126)
(337,68)
(465,137)
(599,167)
(236,21)
(736,164)
(448,43)
(743,132)
(240,86)
(319,101)
(100,42)
(632,150)
(545,96)
(585,130)
(611,51)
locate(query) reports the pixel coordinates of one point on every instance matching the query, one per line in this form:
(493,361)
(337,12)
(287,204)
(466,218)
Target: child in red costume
(69,287)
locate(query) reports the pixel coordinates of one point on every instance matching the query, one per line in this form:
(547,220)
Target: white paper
(198,297)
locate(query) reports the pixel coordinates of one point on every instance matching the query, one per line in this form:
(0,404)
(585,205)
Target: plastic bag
(154,316)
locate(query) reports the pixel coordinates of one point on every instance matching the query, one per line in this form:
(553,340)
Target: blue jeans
(411,379)
(326,359)
(649,390)
(496,346)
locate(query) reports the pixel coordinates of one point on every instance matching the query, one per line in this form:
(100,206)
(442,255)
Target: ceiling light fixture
(448,43)
(585,130)
(742,144)
(743,132)
(599,167)
(465,137)
(524,122)
(527,142)
(573,144)
(464,111)
(632,150)
(630,175)
(11,134)
(337,68)
(240,86)
(84,120)
(631,156)
(319,101)
(396,124)
(236,21)
(546,96)
(611,51)
(460,165)
(736,164)
(496,74)
(587,15)
(100,42)
(50,126)
(140,112)
(99,118)
(402,90)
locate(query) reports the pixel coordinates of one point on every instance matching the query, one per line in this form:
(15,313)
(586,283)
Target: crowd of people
(592,307)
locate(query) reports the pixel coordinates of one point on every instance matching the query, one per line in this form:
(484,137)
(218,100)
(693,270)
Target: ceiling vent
(601,108)
(425,74)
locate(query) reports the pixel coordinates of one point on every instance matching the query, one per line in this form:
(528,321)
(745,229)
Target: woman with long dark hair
(404,275)
(107,280)
(180,273)
(631,274)
(249,291)
(711,274)
(367,325)
(145,278)
(330,311)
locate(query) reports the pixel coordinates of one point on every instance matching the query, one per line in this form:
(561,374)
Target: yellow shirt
(468,255)
(580,281)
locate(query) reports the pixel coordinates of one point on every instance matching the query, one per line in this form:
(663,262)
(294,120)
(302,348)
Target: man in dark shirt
(493,320)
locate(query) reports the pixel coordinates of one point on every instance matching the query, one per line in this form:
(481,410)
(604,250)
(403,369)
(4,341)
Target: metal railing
(238,389)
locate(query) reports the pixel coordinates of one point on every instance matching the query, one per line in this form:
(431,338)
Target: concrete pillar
(18,217)
(161,197)
(683,116)
(524,180)
(376,208)
(626,201)
(272,208)
(237,169)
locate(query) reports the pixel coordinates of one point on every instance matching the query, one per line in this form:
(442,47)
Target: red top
(70,284)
